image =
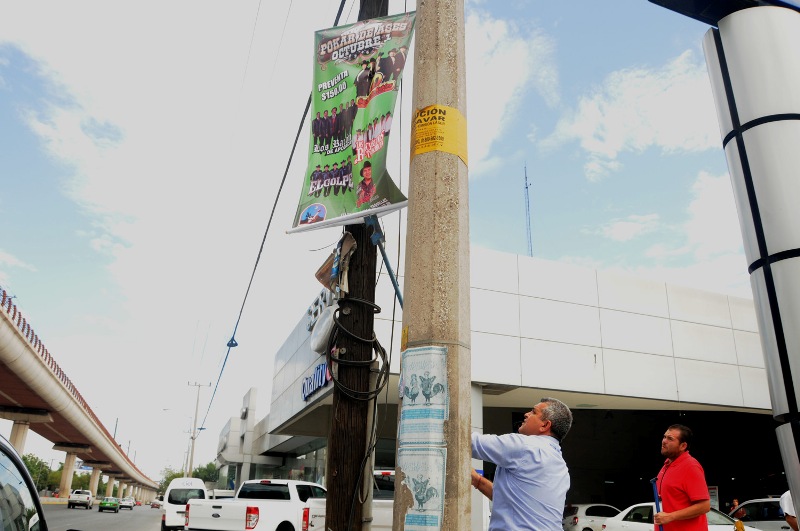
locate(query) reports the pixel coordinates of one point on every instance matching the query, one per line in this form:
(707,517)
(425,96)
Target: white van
(180,491)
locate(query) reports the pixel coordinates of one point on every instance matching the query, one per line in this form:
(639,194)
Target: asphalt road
(141,518)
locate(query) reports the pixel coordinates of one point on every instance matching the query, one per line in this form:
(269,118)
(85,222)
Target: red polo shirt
(680,483)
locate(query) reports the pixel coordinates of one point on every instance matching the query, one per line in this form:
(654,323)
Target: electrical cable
(232,342)
(332,356)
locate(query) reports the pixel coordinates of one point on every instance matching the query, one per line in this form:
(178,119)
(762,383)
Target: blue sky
(142,146)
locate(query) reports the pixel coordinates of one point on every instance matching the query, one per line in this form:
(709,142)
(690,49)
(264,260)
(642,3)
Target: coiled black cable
(379,354)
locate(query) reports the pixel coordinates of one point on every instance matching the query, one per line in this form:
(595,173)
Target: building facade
(629,356)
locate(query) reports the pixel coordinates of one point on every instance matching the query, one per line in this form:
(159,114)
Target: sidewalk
(53,501)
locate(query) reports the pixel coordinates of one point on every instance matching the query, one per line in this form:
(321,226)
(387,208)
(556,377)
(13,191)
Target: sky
(143,146)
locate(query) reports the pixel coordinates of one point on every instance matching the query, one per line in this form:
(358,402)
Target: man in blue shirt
(531,481)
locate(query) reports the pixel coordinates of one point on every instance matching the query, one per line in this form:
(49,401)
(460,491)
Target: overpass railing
(22,324)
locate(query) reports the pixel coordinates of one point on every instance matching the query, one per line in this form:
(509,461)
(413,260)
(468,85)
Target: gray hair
(559,416)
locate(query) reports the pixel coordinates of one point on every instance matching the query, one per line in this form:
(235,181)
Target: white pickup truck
(80,498)
(260,504)
(382,504)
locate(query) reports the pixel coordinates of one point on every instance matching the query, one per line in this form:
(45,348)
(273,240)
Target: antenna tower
(528,212)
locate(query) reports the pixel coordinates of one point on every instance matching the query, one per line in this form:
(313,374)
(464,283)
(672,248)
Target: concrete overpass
(36,394)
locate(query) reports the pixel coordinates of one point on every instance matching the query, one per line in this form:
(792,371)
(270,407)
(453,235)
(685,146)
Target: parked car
(21,508)
(109,503)
(586,516)
(126,503)
(762,513)
(639,517)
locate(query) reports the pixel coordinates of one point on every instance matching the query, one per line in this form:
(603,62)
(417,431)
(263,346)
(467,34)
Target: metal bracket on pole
(377,239)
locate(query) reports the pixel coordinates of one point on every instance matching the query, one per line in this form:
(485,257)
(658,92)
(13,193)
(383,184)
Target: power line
(232,342)
(528,213)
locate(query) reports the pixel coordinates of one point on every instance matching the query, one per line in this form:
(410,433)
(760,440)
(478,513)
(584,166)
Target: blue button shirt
(531,481)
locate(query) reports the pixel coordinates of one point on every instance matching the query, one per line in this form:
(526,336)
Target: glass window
(181,496)
(17,508)
(642,514)
(264,491)
(715,517)
(304,491)
(760,512)
(383,487)
(604,511)
(570,511)
(317,492)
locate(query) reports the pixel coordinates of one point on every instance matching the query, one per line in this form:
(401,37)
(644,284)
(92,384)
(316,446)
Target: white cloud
(596,168)
(713,225)
(670,108)
(176,158)
(9,260)
(710,254)
(623,230)
(502,63)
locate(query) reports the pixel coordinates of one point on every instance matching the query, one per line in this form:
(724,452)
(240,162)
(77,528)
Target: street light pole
(194,426)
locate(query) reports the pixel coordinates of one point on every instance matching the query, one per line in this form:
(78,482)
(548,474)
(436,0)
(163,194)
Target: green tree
(207,473)
(54,480)
(81,481)
(167,475)
(38,469)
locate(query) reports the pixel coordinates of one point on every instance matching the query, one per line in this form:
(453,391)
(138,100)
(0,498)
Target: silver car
(639,517)
(763,513)
(586,516)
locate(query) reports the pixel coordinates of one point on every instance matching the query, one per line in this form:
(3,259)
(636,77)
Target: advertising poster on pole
(357,74)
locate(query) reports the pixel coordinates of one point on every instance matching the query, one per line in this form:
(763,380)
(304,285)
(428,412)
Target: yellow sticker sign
(404,339)
(439,128)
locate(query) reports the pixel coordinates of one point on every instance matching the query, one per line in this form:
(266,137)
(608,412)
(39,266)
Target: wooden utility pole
(436,324)
(347,441)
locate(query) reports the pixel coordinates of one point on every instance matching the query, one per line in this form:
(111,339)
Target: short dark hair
(559,415)
(686,434)
(367,164)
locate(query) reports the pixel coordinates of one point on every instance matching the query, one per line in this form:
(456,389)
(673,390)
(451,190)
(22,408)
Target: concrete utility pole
(436,325)
(188,473)
(347,440)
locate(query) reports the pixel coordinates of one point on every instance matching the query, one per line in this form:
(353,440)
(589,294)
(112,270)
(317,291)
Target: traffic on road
(59,518)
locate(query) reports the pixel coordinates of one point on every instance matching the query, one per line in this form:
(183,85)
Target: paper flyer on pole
(426,399)
(424,470)
(357,73)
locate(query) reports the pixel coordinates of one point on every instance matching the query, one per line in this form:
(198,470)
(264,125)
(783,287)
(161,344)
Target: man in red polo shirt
(681,485)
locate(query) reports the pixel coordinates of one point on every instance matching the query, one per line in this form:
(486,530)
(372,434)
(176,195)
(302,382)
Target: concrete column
(480,503)
(66,474)
(94,480)
(245,472)
(121,489)
(19,433)
(436,312)
(755,77)
(110,487)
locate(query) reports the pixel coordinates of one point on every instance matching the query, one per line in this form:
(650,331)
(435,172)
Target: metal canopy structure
(712,11)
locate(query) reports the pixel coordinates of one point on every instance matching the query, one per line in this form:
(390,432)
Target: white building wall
(537,323)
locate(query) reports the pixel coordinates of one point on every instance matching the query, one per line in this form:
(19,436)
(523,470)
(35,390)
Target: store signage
(323,300)
(313,383)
